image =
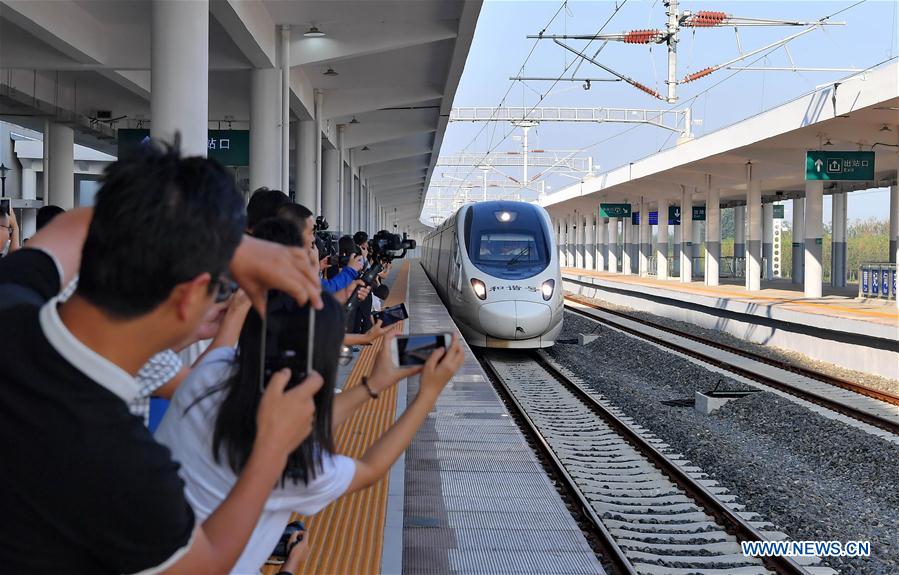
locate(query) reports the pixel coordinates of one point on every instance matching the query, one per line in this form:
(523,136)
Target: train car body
(495,266)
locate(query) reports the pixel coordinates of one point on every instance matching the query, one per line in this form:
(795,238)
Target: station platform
(856,333)
(468,496)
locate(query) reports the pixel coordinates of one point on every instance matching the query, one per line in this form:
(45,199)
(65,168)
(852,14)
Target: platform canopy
(395,67)
(852,114)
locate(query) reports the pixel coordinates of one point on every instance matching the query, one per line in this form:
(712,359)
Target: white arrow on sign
(818,164)
(677,213)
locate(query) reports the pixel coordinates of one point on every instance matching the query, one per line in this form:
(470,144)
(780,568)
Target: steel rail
(839,407)
(613,553)
(741,528)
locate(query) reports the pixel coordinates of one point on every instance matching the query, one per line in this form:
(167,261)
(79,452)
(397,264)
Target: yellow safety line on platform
(347,536)
(736,296)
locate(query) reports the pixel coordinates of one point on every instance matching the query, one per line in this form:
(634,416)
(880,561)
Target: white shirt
(189,436)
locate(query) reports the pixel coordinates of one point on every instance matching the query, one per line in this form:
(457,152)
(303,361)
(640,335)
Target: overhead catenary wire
(618,7)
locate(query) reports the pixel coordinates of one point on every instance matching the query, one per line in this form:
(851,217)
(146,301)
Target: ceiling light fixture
(365,148)
(354,120)
(885,128)
(828,142)
(314,32)
(330,72)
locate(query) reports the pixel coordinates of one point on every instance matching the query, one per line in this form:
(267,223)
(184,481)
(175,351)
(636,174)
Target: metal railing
(877,280)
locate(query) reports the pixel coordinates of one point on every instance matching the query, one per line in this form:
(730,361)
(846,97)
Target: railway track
(652,510)
(873,407)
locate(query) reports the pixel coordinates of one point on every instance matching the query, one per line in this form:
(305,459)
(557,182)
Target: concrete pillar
(578,241)
(319,162)
(179,64)
(838,243)
(768,240)
(814,208)
(602,243)
(662,242)
(613,245)
(62,167)
(754,235)
(740,232)
(626,264)
(798,241)
(28,225)
(265,123)
(712,236)
(563,241)
(285,108)
(645,238)
(589,243)
(696,249)
(894,225)
(331,187)
(306,167)
(570,241)
(676,241)
(686,230)
(341,181)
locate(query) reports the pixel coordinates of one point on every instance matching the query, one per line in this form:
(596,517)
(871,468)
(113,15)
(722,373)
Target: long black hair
(235,424)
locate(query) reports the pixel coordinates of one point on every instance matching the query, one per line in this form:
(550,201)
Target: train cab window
(508,247)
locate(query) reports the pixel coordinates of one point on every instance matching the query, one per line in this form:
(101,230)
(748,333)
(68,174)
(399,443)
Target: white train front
(496,268)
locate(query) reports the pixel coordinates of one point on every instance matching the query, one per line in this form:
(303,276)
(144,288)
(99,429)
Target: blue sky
(500,47)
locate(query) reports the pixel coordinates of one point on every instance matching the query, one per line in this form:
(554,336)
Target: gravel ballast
(813,477)
(870,380)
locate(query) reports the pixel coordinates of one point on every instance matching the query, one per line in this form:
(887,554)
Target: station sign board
(653,218)
(229,147)
(614,210)
(778,211)
(836,165)
(674,214)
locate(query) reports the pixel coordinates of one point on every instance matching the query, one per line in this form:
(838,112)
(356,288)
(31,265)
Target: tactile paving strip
(347,536)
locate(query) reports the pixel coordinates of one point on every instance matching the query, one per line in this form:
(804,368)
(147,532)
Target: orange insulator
(640,36)
(698,75)
(705,19)
(646,89)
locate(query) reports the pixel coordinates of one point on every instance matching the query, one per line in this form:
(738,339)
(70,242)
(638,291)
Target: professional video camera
(384,248)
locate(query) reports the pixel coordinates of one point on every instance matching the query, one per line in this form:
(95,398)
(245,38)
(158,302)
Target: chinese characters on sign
(220,144)
(857,166)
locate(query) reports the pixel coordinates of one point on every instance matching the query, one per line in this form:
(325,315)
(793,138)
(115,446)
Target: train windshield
(507,244)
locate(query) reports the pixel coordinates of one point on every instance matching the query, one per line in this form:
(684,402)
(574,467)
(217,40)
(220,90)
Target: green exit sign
(614,210)
(854,166)
(778,211)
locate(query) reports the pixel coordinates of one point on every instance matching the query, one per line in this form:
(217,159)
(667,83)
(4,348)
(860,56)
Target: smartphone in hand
(391,315)
(412,350)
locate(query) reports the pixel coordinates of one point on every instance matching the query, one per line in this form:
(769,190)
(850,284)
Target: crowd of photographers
(101,309)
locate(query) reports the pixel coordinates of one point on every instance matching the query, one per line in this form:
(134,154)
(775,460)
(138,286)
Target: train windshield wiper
(524,251)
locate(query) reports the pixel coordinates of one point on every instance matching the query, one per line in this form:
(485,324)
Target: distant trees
(866,241)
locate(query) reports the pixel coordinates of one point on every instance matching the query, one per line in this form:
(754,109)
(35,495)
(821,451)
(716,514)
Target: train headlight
(547,289)
(479,288)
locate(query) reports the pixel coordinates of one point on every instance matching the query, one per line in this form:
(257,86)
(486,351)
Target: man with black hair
(303,218)
(84,486)
(264,203)
(45,215)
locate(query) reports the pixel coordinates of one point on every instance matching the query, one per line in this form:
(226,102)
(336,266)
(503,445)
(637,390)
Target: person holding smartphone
(209,426)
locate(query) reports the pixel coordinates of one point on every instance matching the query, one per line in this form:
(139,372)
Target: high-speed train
(496,268)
